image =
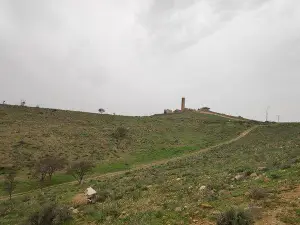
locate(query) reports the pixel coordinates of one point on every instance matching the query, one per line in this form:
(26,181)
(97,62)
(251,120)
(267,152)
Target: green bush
(235,217)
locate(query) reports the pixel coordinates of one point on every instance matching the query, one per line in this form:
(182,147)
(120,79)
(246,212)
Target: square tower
(183,104)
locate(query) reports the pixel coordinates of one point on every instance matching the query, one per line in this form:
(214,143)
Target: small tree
(79,169)
(54,164)
(101,111)
(9,182)
(48,166)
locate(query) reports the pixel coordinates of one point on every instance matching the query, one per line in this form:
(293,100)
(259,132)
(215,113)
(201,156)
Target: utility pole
(267,113)
(278,118)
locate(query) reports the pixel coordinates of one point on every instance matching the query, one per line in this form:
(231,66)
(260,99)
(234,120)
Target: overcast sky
(138,57)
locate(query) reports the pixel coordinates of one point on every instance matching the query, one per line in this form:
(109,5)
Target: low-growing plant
(235,217)
(258,193)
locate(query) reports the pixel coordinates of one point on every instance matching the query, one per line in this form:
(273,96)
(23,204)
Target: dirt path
(143,166)
(221,115)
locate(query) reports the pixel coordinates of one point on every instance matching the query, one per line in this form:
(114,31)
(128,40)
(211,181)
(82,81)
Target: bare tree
(79,169)
(101,111)
(9,182)
(48,166)
(40,173)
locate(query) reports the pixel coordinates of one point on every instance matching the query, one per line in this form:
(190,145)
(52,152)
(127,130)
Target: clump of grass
(258,193)
(235,217)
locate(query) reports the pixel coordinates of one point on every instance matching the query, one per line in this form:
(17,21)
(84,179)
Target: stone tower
(183,104)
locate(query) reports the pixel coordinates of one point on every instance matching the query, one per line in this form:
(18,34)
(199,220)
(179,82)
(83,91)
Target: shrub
(235,217)
(50,214)
(258,193)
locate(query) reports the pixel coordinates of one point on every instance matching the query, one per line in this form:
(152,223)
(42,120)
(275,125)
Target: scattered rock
(253,175)
(178,209)
(224,192)
(258,177)
(215,213)
(202,188)
(90,192)
(239,177)
(206,206)
(262,168)
(75,211)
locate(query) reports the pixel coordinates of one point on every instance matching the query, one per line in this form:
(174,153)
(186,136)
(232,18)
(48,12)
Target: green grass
(26,134)
(164,194)
(29,133)
(151,196)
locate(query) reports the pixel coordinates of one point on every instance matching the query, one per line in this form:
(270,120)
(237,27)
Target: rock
(262,168)
(258,177)
(239,177)
(253,175)
(178,209)
(215,213)
(90,192)
(202,188)
(206,206)
(178,179)
(75,211)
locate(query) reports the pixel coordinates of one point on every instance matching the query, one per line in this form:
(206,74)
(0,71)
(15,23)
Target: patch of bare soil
(288,199)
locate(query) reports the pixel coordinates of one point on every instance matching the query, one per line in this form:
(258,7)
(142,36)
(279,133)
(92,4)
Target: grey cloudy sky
(138,57)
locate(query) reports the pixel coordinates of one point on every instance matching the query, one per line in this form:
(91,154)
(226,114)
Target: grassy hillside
(159,195)
(29,133)
(170,194)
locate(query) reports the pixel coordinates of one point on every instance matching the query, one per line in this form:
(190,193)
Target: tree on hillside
(9,182)
(48,166)
(101,111)
(79,169)
(120,134)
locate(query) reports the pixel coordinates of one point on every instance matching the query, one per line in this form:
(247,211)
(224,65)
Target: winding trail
(143,166)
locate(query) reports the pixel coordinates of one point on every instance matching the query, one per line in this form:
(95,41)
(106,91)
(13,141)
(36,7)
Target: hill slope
(29,133)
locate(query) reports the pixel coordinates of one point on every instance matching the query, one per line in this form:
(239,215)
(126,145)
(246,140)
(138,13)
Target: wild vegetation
(236,181)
